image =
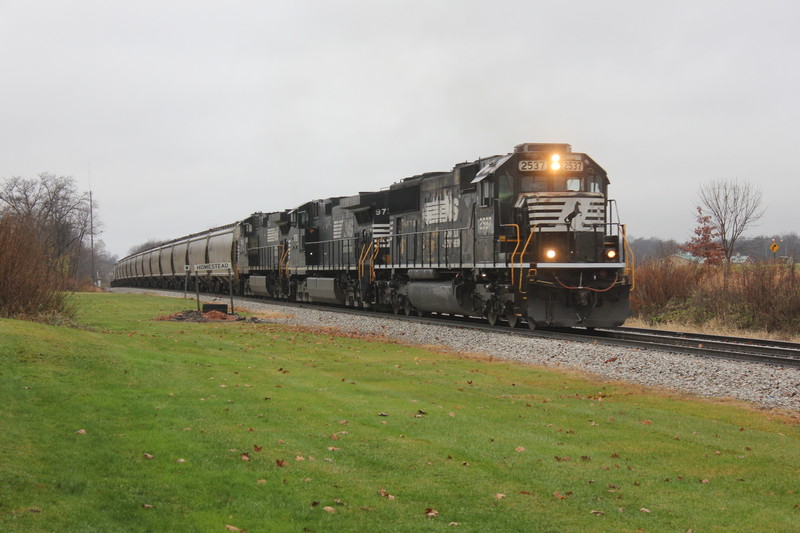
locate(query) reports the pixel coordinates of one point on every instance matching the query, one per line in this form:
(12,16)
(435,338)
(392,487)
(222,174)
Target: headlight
(555,164)
(611,253)
(551,254)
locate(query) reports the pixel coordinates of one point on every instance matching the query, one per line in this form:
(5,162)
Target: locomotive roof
(408,182)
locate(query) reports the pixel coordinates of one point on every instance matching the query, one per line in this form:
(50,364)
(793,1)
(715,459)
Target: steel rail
(736,348)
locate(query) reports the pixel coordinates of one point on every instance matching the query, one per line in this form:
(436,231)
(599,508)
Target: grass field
(132,424)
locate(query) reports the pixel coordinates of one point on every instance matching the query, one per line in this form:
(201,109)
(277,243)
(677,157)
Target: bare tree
(733,205)
(53,208)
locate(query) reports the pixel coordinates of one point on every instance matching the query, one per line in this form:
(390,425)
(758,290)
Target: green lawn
(131,424)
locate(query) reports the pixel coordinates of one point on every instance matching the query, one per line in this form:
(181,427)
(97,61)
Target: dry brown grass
(713,327)
(759,300)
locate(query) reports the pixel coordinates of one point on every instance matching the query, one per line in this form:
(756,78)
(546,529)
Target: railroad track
(763,351)
(733,348)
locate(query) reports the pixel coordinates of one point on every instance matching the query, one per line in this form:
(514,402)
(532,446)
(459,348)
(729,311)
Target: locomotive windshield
(551,184)
(561,184)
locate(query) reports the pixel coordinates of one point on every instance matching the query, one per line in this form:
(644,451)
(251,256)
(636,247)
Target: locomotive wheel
(396,307)
(531,324)
(512,319)
(408,308)
(491,318)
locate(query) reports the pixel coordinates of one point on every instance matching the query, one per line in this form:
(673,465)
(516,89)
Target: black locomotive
(527,236)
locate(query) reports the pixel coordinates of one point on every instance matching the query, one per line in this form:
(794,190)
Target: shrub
(663,286)
(762,296)
(31,279)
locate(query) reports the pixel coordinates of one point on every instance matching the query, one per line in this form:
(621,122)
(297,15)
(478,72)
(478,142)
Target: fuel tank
(440,297)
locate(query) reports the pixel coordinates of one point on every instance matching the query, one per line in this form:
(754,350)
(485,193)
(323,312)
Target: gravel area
(765,385)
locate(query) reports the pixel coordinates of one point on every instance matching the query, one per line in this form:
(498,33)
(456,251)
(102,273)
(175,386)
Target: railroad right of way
(765,385)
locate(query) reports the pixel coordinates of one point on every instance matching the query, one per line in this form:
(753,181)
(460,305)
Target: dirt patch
(264,314)
(197,316)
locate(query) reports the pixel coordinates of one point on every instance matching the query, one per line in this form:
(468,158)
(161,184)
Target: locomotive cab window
(485,192)
(532,184)
(595,184)
(574,184)
(545,184)
(505,189)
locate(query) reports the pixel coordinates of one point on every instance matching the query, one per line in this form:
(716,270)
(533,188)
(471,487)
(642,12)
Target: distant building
(685,258)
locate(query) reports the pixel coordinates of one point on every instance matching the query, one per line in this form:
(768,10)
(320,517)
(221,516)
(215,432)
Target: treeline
(757,248)
(45,234)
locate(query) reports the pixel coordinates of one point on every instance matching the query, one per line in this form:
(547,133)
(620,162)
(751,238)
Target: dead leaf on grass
(385,494)
(431,513)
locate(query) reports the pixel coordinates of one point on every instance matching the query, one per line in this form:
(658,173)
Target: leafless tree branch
(734,205)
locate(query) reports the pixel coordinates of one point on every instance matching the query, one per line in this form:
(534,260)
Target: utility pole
(91,225)
(91,232)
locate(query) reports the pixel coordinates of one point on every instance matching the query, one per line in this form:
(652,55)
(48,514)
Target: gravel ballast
(765,385)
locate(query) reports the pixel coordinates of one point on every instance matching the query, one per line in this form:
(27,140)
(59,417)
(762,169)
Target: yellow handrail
(372,260)
(514,253)
(284,260)
(361,262)
(522,255)
(629,256)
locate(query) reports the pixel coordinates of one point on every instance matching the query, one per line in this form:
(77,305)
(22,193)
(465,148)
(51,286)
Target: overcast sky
(188,115)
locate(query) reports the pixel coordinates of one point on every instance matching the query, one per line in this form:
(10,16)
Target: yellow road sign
(774,247)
